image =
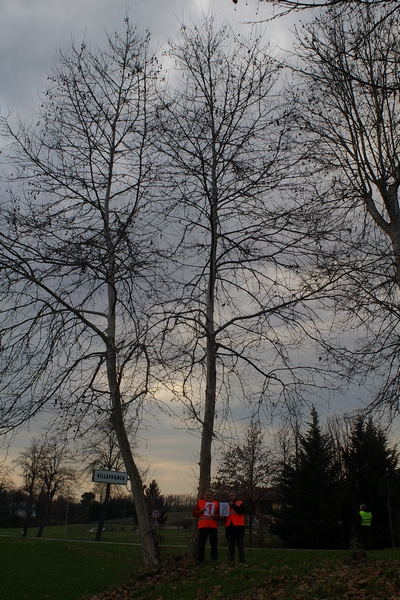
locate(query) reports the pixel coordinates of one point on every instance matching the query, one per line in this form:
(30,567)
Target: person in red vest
(207,514)
(234,526)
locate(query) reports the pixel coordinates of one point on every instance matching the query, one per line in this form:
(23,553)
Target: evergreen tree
(155,501)
(312,501)
(372,471)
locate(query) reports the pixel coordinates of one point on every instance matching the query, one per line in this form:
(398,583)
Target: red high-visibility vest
(204,519)
(233,517)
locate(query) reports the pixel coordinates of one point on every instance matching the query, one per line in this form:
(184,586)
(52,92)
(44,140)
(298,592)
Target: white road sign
(116,477)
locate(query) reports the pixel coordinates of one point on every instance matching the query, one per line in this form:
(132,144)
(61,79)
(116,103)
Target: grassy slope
(274,575)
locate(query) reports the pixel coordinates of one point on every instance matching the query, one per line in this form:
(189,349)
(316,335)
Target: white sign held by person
(224,509)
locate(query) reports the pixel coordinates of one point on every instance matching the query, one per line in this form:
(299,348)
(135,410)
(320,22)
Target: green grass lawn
(72,569)
(54,568)
(33,569)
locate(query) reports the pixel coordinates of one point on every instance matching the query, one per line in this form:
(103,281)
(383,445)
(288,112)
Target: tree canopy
(348,116)
(288,6)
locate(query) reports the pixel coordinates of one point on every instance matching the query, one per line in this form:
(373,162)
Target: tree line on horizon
(303,489)
(37,503)
(184,231)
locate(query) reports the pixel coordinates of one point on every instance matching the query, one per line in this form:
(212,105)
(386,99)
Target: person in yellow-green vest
(365,527)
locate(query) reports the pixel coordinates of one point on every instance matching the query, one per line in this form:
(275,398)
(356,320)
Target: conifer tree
(311,505)
(371,472)
(156,502)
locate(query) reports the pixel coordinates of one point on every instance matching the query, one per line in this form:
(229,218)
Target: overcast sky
(32,30)
(30,33)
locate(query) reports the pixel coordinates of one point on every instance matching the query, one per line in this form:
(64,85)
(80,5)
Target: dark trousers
(365,537)
(235,538)
(204,533)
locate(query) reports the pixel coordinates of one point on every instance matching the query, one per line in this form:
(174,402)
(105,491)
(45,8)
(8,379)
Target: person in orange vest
(234,526)
(206,512)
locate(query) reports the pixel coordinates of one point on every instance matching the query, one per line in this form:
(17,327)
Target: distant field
(114,532)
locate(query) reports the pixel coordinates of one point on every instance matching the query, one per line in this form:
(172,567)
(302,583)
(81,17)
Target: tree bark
(28,516)
(146,534)
(44,520)
(103,513)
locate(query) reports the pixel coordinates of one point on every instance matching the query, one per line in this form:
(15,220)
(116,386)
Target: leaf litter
(357,577)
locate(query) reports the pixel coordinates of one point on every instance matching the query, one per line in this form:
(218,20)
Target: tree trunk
(211,374)
(146,533)
(28,516)
(148,543)
(211,370)
(103,513)
(117,417)
(44,520)
(395,238)
(251,520)
(208,419)
(194,542)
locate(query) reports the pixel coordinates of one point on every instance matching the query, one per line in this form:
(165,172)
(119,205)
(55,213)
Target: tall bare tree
(349,131)
(30,463)
(247,467)
(76,238)
(102,451)
(56,477)
(238,265)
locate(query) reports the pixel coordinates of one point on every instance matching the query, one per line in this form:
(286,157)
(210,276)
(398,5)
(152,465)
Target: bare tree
(46,472)
(338,429)
(56,476)
(247,467)
(238,265)
(30,463)
(349,131)
(5,477)
(103,452)
(285,7)
(77,235)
